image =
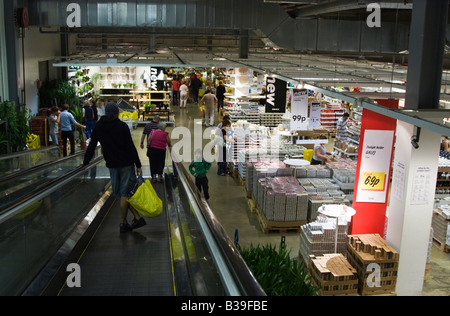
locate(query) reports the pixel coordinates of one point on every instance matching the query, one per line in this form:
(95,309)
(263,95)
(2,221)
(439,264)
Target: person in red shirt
(176,91)
(158,140)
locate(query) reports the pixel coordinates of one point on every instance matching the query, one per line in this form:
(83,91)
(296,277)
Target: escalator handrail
(37,168)
(26,152)
(51,186)
(243,277)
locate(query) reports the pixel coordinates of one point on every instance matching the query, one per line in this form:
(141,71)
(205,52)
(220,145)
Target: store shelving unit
(112,76)
(240,80)
(160,98)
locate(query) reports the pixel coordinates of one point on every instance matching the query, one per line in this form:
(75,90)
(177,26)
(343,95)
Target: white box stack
(318,238)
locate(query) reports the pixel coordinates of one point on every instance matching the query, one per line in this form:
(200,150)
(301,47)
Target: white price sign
(314,115)
(299,110)
(375,166)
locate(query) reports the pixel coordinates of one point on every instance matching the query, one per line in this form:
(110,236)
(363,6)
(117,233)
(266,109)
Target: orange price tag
(372,181)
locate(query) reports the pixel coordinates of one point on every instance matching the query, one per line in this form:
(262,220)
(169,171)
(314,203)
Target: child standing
(198,168)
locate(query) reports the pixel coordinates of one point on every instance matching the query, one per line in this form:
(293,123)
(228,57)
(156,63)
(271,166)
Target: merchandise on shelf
(318,238)
(441,226)
(282,199)
(271,119)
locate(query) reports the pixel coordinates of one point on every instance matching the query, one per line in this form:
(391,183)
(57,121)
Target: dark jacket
(196,84)
(88,113)
(117,145)
(220,91)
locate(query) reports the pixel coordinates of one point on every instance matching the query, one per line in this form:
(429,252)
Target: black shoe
(136,224)
(125,228)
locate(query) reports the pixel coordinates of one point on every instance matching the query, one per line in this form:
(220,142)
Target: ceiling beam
(345,5)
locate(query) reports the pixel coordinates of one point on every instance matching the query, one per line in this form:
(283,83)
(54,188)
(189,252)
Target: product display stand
(296,162)
(337,211)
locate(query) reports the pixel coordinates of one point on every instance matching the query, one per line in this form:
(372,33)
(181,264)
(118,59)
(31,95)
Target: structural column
(411,204)
(12,57)
(415,167)
(426,53)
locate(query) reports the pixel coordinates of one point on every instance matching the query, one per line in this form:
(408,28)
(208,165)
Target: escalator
(14,185)
(183,252)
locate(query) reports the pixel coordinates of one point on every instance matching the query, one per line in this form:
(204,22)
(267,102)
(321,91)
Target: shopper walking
(148,128)
(220,94)
(95,110)
(121,159)
(222,152)
(341,128)
(210,102)
(199,168)
(53,122)
(176,91)
(66,118)
(88,115)
(196,84)
(158,141)
(262,100)
(184,95)
(101,109)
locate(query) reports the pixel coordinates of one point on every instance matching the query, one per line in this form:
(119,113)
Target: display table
(297,162)
(336,211)
(152,113)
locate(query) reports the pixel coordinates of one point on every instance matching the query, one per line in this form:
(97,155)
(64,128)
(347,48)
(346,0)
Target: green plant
(77,112)
(278,273)
(16,126)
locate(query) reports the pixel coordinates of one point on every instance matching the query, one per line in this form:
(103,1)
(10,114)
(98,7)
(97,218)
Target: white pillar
(411,204)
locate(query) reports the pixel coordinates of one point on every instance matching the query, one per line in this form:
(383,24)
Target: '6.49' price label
(372,181)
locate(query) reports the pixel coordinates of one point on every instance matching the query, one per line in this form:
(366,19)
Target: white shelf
(345,153)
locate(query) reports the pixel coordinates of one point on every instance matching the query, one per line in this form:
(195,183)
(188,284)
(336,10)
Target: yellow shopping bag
(308,154)
(146,201)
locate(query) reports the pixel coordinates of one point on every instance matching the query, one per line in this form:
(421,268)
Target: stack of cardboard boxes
(376,263)
(333,274)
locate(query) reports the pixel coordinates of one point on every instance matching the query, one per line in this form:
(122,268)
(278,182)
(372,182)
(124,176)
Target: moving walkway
(74,233)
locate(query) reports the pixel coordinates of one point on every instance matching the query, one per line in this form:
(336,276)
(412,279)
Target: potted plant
(278,273)
(148,106)
(77,113)
(15,122)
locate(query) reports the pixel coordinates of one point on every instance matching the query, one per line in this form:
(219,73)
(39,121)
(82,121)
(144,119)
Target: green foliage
(16,130)
(77,112)
(148,106)
(57,93)
(277,273)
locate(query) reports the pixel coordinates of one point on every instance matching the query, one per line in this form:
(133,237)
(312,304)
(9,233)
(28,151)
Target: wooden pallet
(251,204)
(242,181)
(385,292)
(442,245)
(280,227)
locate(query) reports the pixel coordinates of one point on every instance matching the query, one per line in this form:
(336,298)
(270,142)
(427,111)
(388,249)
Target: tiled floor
(229,203)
